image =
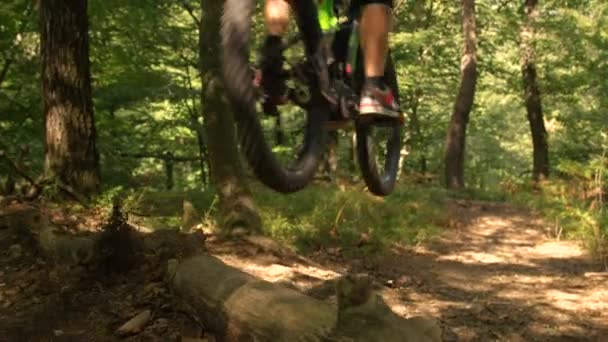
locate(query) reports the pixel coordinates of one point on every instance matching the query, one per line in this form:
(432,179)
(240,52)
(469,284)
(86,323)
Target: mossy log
(239,307)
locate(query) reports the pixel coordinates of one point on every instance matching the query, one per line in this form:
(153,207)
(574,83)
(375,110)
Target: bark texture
(236,202)
(71,155)
(532,95)
(456,137)
(329,166)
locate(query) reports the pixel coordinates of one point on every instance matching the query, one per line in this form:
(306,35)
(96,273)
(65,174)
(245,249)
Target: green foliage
(146,89)
(19,88)
(327,216)
(165,203)
(319,217)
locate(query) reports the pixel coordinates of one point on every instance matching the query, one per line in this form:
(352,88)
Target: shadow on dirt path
(494,276)
(497,276)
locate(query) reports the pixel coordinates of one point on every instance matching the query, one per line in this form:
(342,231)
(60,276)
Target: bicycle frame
(344,69)
(329,23)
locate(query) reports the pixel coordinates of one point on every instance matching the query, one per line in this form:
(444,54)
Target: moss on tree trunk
(236,202)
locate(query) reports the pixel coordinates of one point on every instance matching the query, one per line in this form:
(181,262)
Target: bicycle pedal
(257,77)
(331,97)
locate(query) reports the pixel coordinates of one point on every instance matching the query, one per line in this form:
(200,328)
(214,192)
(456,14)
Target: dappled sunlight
(268,268)
(475,257)
(506,258)
(277,272)
(563,299)
(494,276)
(559,249)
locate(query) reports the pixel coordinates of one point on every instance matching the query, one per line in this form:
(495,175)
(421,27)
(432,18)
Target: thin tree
(236,202)
(71,155)
(532,96)
(456,137)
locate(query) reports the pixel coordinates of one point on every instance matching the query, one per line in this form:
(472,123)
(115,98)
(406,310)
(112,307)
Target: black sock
(377,81)
(272,57)
(272,40)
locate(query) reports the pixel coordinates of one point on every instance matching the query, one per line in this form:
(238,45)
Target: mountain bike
(323,82)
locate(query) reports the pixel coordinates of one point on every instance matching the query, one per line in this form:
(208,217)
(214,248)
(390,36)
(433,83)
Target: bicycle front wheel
(271,164)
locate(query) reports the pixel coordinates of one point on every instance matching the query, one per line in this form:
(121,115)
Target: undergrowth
(328,216)
(358,222)
(318,217)
(569,214)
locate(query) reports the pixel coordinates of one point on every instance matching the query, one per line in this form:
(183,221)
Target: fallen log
(117,244)
(239,307)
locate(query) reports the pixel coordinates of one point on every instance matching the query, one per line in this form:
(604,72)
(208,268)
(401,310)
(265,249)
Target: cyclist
(377,99)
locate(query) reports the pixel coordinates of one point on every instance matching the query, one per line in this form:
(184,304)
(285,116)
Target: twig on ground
(38,186)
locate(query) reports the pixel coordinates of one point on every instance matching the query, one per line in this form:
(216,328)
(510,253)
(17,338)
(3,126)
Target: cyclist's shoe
(379,104)
(272,73)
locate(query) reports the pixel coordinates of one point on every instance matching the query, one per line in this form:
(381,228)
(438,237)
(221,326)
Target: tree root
(37,186)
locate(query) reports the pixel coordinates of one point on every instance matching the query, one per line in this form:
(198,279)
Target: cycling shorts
(367,2)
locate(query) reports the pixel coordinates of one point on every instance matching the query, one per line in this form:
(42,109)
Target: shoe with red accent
(378,102)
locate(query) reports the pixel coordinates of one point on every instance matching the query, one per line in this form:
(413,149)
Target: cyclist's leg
(376,19)
(276,17)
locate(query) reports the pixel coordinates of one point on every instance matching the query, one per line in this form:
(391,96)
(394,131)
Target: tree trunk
(532,93)
(236,203)
(4,71)
(279,136)
(417,140)
(71,155)
(353,152)
(329,166)
(168,160)
(197,127)
(455,144)
(202,153)
(423,14)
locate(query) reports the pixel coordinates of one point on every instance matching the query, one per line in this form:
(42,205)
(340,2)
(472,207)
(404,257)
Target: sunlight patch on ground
(276,272)
(559,249)
(402,304)
(494,222)
(565,300)
(475,258)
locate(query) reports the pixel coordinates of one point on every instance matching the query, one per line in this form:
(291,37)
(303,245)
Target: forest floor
(494,275)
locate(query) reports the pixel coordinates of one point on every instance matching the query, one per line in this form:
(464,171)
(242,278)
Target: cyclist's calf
(276,15)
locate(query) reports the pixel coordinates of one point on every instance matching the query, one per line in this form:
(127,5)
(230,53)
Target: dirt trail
(495,276)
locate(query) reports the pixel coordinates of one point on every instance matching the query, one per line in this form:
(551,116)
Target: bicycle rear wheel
(379,147)
(268,164)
